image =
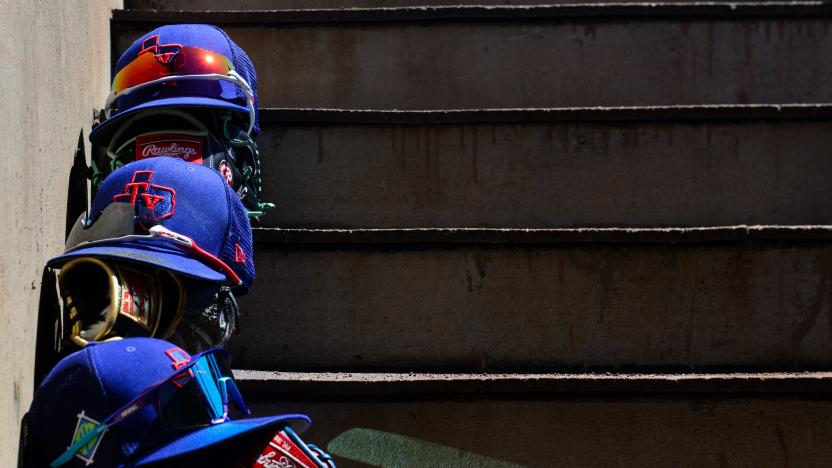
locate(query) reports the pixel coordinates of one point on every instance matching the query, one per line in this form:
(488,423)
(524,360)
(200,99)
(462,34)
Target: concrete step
(632,299)
(220,5)
(642,166)
(472,57)
(378,385)
(556,420)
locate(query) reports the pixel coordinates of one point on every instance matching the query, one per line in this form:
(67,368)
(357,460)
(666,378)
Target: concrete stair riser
(562,174)
(194,5)
(399,385)
(532,63)
(755,305)
(690,431)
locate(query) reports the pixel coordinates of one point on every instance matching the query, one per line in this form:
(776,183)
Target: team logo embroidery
(225,170)
(164,53)
(153,202)
(179,357)
(184,147)
(83,427)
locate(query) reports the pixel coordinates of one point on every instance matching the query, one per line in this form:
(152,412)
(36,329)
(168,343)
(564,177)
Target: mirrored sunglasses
(197,395)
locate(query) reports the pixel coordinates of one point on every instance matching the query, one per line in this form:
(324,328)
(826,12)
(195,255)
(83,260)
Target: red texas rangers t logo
(153,202)
(164,53)
(179,357)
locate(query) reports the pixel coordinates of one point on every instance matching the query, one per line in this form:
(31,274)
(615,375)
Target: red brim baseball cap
(204,228)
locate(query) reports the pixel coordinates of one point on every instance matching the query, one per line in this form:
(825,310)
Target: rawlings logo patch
(83,427)
(153,202)
(185,147)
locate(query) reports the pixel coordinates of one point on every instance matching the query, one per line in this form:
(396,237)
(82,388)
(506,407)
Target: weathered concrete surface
(557,174)
(528,63)
(55,71)
(320,385)
(760,306)
(579,432)
(306,4)
(447,236)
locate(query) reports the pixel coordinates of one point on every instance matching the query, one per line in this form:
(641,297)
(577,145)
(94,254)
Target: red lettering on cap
(185,147)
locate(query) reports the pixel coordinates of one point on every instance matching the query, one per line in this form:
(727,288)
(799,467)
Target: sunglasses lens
(181,404)
(187,60)
(116,220)
(194,398)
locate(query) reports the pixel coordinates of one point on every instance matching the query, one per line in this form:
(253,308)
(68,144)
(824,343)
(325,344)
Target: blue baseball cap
(87,387)
(173,53)
(171,214)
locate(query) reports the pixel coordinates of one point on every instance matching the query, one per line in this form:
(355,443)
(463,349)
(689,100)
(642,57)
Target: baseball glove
(105,300)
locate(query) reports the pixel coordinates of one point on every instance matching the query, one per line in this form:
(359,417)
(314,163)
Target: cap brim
(211,435)
(172,259)
(107,126)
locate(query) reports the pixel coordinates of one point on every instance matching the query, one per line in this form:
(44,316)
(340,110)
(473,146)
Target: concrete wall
(55,59)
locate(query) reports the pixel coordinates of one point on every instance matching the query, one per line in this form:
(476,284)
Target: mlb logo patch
(83,427)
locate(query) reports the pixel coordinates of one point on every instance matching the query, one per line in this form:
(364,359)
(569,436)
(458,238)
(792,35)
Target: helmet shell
(193,93)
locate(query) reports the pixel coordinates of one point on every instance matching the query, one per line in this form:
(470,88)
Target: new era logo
(239,254)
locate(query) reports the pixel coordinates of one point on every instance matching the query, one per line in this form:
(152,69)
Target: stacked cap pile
(162,252)
(166,246)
